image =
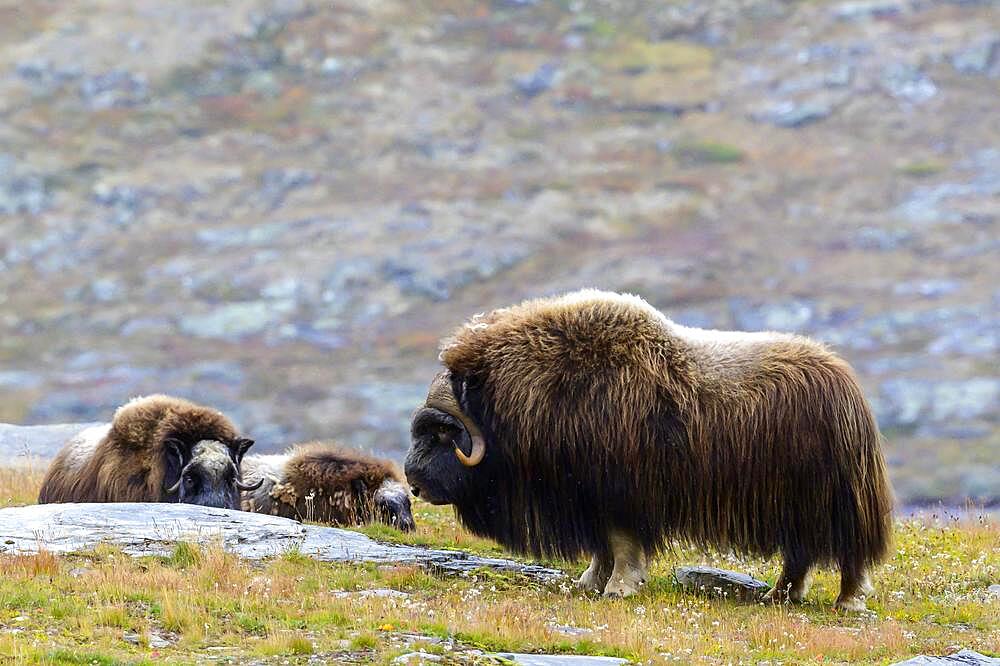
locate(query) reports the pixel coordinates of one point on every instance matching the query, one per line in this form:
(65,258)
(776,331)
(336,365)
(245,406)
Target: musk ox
(156,449)
(329,484)
(592,424)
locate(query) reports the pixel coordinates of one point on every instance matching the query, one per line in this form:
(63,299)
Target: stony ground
(279,206)
(204,606)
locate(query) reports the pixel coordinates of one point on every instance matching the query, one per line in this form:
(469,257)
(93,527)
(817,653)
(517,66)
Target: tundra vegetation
(105,607)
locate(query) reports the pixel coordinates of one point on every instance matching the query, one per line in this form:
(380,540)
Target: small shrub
(697,153)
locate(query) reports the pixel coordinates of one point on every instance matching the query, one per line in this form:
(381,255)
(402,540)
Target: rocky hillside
(279,206)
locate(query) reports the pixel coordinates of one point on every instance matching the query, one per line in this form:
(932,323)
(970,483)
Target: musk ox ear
(176,454)
(239,447)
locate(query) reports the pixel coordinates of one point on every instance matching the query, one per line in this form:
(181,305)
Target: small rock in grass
(417,658)
(792,115)
(366,594)
(558,659)
(715,582)
(570,630)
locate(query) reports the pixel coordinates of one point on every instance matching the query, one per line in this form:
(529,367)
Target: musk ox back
(156,449)
(592,424)
(330,484)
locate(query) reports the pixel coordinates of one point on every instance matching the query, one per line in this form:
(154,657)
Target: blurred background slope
(278,207)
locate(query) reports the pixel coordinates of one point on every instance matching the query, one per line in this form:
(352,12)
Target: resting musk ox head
(391,505)
(206,472)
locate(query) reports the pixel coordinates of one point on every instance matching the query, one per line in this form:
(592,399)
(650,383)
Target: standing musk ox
(329,484)
(592,424)
(156,449)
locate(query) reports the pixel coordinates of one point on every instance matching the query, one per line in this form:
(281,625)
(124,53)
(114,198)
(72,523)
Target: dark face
(433,470)
(392,506)
(209,473)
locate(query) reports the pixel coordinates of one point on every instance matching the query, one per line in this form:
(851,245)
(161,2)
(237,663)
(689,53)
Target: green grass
(78,609)
(696,153)
(921,168)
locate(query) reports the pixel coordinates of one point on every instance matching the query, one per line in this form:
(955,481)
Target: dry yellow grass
(106,607)
(19,485)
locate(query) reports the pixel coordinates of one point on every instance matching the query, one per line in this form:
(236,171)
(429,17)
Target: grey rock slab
(236,320)
(960,658)
(153,529)
(720,583)
(793,115)
(856,11)
(22,445)
(980,58)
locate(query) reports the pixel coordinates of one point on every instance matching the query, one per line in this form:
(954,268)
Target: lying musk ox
(156,449)
(329,484)
(592,424)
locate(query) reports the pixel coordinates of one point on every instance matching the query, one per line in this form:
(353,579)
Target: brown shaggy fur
(320,482)
(602,417)
(128,464)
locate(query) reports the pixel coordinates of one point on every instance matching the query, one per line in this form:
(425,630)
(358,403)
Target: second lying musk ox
(157,449)
(329,484)
(592,424)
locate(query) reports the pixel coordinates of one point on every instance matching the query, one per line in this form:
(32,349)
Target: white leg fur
(629,572)
(597,574)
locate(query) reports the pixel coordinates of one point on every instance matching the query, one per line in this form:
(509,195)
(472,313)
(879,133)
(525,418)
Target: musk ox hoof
(618,588)
(851,604)
(589,582)
(786,593)
(776,596)
(595,578)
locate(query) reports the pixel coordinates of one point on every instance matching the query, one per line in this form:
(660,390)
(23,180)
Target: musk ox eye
(445,434)
(189,480)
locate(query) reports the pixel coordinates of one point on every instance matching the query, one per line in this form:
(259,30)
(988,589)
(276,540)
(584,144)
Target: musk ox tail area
(323,482)
(862,496)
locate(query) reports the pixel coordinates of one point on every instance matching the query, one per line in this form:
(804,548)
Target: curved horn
(174,446)
(250,486)
(441,397)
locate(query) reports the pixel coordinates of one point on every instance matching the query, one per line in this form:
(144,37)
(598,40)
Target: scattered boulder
(960,658)
(907,83)
(793,114)
(236,320)
(980,58)
(793,316)
(867,10)
(714,582)
(21,191)
(537,82)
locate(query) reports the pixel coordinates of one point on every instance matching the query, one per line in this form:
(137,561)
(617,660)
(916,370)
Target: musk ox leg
(854,584)
(597,574)
(629,572)
(792,585)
